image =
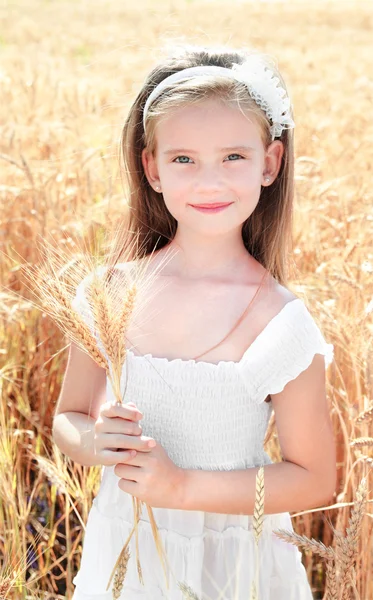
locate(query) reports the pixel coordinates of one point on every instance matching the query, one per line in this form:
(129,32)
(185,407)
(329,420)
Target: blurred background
(69,71)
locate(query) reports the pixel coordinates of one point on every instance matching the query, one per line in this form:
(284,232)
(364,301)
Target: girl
(208,147)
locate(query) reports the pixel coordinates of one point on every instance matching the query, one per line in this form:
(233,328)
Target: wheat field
(68,73)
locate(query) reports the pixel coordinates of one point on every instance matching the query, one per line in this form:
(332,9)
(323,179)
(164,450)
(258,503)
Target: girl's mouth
(211,208)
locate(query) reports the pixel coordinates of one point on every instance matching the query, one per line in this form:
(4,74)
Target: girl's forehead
(207,121)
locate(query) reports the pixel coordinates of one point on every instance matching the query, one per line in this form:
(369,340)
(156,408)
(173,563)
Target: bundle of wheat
(110,297)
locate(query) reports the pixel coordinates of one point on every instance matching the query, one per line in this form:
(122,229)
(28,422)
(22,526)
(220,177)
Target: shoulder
(271,300)
(288,340)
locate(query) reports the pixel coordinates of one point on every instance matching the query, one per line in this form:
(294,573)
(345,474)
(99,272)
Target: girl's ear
(150,167)
(273,158)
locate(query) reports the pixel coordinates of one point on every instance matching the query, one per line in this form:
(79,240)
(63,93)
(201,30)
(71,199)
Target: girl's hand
(117,427)
(153,478)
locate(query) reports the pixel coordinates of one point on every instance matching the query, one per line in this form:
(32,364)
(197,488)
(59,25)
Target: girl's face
(210,153)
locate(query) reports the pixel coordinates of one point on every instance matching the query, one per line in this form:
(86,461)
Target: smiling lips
(211,208)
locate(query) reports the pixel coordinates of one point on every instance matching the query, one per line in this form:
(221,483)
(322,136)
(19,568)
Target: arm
(307,476)
(73,434)
(83,391)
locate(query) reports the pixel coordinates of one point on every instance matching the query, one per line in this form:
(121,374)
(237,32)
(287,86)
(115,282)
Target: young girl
(208,146)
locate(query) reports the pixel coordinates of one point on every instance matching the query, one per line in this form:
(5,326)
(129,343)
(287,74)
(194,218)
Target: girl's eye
(183,162)
(235,155)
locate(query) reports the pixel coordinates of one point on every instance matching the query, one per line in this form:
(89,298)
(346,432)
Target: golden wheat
(51,471)
(363,441)
(365,416)
(340,559)
(258,517)
(301,541)
(346,548)
(123,320)
(72,323)
(103,318)
(187,591)
(5,585)
(120,574)
(331,586)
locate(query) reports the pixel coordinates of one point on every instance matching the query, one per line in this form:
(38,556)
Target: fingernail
(152,443)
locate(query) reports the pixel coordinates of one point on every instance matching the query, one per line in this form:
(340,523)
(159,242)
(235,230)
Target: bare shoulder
(274,297)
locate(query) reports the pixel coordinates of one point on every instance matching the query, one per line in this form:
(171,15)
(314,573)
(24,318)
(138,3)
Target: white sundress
(212,417)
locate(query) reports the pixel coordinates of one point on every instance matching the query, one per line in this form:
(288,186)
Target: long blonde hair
(267,233)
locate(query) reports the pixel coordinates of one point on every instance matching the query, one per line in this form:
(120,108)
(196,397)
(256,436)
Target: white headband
(259,80)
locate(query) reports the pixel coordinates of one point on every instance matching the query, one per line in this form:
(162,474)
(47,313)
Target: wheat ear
(5,585)
(363,441)
(121,554)
(124,317)
(365,416)
(258,527)
(303,542)
(120,574)
(187,591)
(102,316)
(326,552)
(72,322)
(331,586)
(347,547)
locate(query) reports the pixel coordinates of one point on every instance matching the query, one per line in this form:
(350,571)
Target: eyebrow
(226,149)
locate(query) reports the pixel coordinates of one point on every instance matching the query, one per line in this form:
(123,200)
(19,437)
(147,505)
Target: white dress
(206,416)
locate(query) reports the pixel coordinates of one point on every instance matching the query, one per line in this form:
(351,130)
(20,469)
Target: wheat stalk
(258,517)
(137,509)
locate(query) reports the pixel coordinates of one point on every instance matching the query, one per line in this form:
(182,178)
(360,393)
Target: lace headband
(257,77)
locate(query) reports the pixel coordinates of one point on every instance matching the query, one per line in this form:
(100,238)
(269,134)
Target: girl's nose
(209,181)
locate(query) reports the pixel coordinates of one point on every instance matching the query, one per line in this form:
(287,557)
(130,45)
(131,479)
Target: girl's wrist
(181,484)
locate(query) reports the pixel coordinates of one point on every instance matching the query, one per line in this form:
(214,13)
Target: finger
(129,486)
(129,442)
(112,458)
(128,472)
(116,425)
(138,460)
(121,411)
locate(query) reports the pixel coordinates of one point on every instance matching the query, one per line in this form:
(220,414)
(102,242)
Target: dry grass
(68,74)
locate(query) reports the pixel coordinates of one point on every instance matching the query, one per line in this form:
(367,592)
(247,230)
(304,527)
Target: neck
(200,256)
